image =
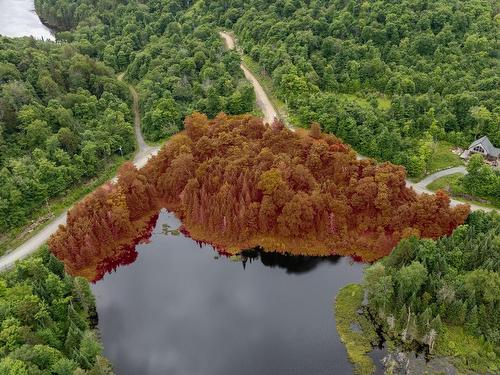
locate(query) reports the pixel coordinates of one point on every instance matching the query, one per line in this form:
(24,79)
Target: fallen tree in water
(237,183)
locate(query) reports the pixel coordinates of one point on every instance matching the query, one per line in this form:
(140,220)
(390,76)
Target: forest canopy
(179,67)
(391,78)
(435,293)
(63,117)
(237,183)
(47,321)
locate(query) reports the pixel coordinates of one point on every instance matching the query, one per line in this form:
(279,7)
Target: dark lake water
(18,18)
(182,309)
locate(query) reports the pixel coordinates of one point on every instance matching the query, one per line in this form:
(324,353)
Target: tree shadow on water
(295,264)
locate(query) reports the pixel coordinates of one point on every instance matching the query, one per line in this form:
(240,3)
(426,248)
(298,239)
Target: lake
(18,18)
(181,308)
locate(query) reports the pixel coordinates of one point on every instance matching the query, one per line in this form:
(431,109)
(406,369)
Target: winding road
(270,113)
(142,156)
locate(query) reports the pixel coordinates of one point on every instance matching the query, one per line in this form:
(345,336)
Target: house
(484,147)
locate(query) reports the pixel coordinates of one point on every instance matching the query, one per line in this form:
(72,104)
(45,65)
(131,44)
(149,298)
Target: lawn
(443,158)
(445,183)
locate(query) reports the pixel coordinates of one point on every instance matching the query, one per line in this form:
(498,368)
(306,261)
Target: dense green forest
(199,76)
(179,66)
(47,320)
(63,116)
(444,294)
(389,78)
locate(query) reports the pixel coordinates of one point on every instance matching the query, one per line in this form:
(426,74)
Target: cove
(182,308)
(18,18)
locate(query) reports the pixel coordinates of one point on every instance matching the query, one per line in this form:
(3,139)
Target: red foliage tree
(237,183)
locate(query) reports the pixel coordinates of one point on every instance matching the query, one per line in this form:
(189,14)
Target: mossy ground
(357,342)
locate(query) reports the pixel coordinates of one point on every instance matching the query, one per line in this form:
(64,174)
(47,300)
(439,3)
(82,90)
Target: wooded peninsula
(238,183)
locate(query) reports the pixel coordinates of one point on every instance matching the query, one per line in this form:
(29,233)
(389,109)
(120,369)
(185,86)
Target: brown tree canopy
(237,183)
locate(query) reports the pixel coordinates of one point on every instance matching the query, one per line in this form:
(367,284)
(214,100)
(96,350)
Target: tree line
(237,183)
(425,288)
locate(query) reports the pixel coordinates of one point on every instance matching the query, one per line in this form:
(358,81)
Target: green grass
(451,184)
(358,344)
(468,351)
(445,183)
(56,206)
(383,102)
(443,158)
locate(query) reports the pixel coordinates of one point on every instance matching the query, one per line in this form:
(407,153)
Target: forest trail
(142,156)
(270,113)
(261,97)
(143,146)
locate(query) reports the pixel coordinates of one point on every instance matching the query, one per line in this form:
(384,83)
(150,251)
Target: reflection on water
(292,264)
(182,309)
(126,254)
(18,18)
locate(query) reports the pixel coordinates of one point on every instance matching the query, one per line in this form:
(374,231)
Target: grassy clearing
(443,158)
(55,207)
(358,344)
(451,184)
(468,352)
(383,102)
(445,183)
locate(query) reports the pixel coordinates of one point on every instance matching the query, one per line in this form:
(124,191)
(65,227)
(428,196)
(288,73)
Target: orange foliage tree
(237,183)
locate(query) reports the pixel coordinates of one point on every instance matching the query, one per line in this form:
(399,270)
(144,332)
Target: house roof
(487,145)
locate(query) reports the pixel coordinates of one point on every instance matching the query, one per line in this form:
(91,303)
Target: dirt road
(262,99)
(137,117)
